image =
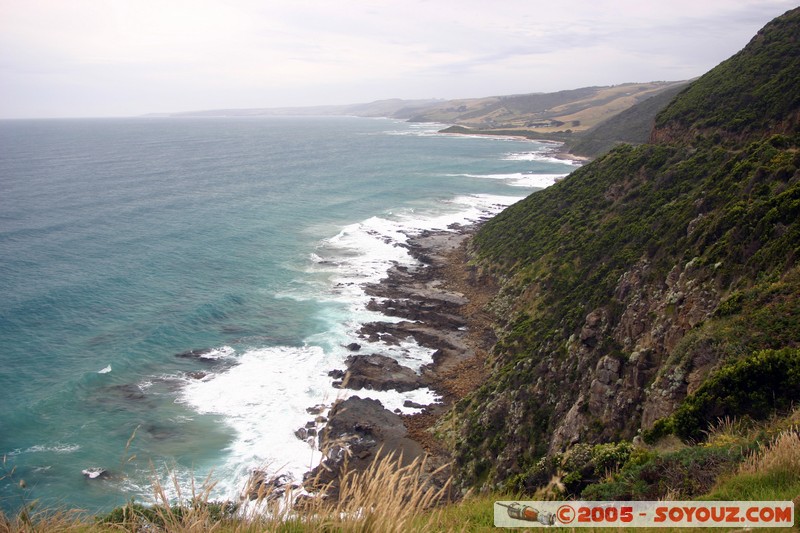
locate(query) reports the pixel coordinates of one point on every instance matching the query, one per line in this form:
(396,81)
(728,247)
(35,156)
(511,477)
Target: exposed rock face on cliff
(654,319)
(626,285)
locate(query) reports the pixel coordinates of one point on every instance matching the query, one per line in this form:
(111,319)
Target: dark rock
(432,336)
(360,429)
(432,316)
(161,432)
(336,374)
(433,308)
(196,374)
(262,486)
(593,328)
(195,354)
(354,347)
(413,405)
(127,391)
(379,372)
(319,408)
(380,332)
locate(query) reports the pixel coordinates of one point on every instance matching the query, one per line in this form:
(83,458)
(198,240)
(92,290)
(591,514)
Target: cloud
(133,56)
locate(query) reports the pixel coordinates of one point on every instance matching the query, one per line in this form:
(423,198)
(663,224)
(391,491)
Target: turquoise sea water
(125,242)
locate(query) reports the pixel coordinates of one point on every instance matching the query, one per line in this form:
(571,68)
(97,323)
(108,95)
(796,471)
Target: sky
(102,58)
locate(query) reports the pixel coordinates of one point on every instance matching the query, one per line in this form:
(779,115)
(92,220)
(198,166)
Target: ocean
(174,292)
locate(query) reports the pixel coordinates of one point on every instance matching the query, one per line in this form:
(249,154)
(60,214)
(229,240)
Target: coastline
(440,304)
(529,136)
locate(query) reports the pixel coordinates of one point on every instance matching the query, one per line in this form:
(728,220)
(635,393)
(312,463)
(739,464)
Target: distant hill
(632,126)
(574,110)
(562,115)
(395,107)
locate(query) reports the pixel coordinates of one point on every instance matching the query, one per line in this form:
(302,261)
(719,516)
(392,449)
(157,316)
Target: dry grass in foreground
(782,454)
(387,497)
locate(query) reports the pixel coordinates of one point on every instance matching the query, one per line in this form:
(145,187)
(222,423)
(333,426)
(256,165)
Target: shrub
(584,464)
(683,474)
(755,387)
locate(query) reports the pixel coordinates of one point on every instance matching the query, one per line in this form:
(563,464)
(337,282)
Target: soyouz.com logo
(643,514)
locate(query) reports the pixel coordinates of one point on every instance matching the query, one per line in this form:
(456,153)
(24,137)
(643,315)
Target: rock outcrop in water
(438,316)
(379,372)
(358,432)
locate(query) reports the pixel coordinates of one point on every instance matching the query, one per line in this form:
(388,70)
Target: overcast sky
(75,58)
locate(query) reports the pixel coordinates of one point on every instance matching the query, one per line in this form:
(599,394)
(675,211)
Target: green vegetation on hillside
(753,92)
(645,271)
(739,461)
(756,387)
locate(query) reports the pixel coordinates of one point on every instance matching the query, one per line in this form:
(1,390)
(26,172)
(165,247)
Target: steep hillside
(641,283)
(632,126)
(751,94)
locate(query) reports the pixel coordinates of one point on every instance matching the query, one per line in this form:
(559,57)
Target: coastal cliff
(626,290)
(651,293)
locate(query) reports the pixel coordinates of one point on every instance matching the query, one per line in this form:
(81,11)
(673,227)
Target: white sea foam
(105,370)
(365,250)
(94,472)
(55,448)
(419,129)
(413,133)
(218,353)
(541,181)
(541,156)
(264,400)
(490,137)
(520,179)
(51,448)
(264,396)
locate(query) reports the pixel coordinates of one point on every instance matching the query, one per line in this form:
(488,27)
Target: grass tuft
(782,454)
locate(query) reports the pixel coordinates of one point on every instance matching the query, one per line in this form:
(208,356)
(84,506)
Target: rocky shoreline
(440,305)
